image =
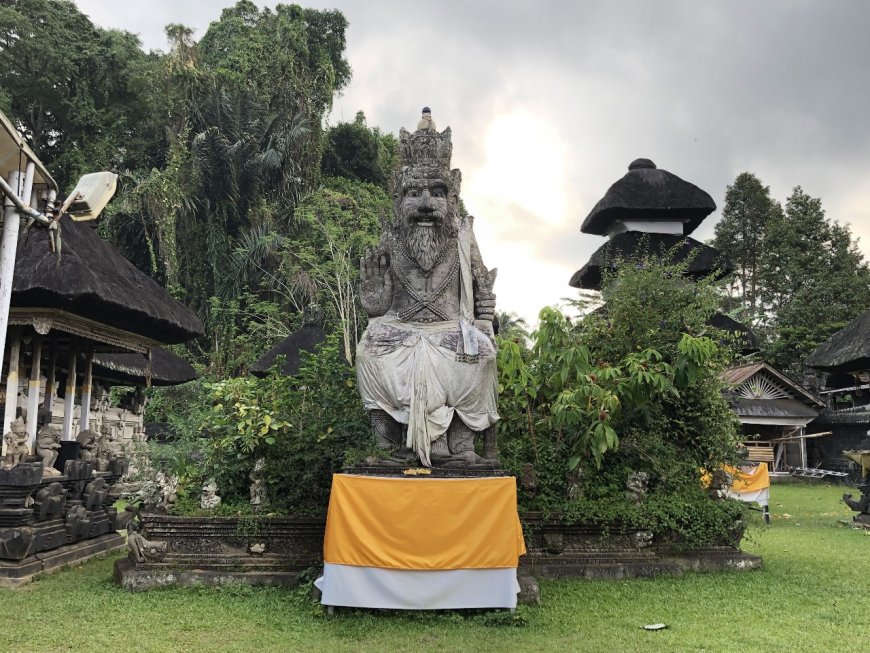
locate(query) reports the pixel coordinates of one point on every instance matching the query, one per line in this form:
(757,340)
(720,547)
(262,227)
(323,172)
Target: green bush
(305,427)
(634,386)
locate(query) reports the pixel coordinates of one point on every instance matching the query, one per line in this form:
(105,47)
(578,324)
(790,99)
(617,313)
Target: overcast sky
(549,101)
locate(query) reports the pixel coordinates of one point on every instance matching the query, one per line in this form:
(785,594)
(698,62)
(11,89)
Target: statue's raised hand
(484,298)
(376,283)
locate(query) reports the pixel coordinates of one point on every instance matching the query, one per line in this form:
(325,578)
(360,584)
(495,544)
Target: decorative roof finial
(426,123)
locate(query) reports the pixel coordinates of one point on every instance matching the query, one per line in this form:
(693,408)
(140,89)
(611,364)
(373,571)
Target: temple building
(290,349)
(87,304)
(652,212)
(774,412)
(80,318)
(649,211)
(842,364)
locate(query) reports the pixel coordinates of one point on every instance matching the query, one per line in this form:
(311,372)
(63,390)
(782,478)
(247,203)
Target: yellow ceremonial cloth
(751,481)
(423,524)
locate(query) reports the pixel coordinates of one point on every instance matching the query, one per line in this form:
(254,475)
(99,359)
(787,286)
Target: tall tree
(355,151)
(813,279)
(75,91)
(740,236)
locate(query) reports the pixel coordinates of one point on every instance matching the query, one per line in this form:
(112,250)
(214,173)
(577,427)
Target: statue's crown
(425,148)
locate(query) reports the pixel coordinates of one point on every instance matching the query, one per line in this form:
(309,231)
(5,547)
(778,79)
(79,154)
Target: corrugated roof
(790,408)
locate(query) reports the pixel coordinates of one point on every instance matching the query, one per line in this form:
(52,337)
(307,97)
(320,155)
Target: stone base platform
(138,578)
(20,572)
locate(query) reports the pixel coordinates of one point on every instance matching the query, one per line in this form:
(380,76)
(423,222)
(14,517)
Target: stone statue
(49,502)
(95,494)
(142,550)
(426,366)
(259,498)
(48,447)
(720,484)
(209,499)
(112,446)
(16,443)
(89,441)
(862,504)
(167,489)
(637,487)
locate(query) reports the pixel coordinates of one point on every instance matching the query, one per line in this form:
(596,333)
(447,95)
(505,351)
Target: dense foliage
(218,144)
(799,277)
(633,387)
(305,428)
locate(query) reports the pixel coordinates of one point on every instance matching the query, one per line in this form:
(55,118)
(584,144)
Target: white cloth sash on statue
(418,375)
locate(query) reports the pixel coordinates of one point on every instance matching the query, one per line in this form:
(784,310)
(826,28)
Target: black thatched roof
(747,343)
(93,280)
(773,408)
(305,339)
(848,350)
(131,369)
(632,245)
(649,193)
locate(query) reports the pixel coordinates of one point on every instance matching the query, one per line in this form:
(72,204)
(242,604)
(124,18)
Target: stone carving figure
(16,443)
(113,447)
(637,487)
(259,497)
(48,447)
(89,441)
(167,488)
(209,499)
(49,502)
(426,362)
(142,550)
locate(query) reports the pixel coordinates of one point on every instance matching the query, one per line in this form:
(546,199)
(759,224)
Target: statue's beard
(425,244)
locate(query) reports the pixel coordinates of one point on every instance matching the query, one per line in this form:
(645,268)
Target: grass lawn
(812,595)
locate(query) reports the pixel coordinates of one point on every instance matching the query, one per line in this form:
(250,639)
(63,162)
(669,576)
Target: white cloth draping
(423,373)
(402,589)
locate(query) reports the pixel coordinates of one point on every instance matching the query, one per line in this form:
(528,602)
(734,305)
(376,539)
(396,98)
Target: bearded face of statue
(426,223)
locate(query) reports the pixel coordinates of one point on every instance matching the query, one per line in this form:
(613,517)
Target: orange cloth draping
(750,481)
(423,524)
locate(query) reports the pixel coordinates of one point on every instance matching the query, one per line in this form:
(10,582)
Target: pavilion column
(12,381)
(85,421)
(69,401)
(33,391)
(50,377)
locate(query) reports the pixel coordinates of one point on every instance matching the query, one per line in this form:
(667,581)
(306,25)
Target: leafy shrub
(306,428)
(634,386)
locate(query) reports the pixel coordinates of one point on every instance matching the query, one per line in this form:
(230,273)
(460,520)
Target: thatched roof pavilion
(165,368)
(649,194)
(85,303)
(305,339)
(632,245)
(92,280)
(848,350)
(746,341)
